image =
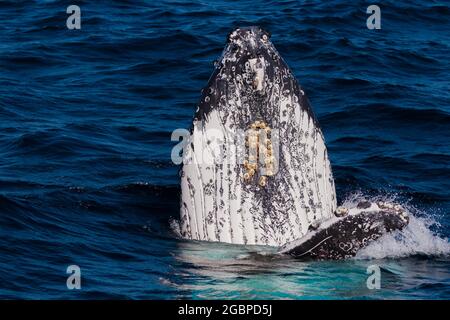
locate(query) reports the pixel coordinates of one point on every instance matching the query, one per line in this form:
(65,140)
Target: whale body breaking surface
(256,168)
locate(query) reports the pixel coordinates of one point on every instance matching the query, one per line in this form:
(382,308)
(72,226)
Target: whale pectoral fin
(343,237)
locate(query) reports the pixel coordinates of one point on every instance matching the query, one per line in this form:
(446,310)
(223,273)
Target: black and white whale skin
(251,83)
(341,238)
(256,169)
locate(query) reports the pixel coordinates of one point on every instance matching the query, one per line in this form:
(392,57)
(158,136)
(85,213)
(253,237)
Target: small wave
(9,205)
(158,192)
(418,11)
(349,82)
(369,140)
(386,113)
(417,239)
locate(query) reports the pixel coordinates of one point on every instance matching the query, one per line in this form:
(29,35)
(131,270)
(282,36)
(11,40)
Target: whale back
(256,168)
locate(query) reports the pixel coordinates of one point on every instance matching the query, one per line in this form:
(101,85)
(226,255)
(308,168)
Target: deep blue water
(85,123)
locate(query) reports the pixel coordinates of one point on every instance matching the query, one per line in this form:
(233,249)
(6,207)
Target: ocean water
(85,122)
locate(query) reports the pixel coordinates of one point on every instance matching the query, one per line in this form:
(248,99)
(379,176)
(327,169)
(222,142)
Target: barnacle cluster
(260,153)
(341,211)
(393,208)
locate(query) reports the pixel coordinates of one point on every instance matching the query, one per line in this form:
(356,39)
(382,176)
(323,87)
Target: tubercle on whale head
(250,55)
(249,41)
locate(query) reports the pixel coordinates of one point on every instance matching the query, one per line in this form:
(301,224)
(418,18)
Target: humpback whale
(256,169)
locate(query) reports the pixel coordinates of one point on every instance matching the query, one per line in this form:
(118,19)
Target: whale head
(268,155)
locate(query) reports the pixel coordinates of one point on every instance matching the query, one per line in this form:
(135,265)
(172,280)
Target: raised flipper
(342,237)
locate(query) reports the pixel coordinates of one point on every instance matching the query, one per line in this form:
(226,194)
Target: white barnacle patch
(346,246)
(257,66)
(341,212)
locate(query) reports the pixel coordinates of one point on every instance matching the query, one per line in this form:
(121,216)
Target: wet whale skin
(251,82)
(343,238)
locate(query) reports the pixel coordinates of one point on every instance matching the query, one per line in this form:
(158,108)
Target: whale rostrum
(256,170)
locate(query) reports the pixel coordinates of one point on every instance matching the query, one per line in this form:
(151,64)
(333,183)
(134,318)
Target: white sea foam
(418,238)
(415,239)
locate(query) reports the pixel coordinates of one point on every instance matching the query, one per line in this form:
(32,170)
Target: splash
(416,239)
